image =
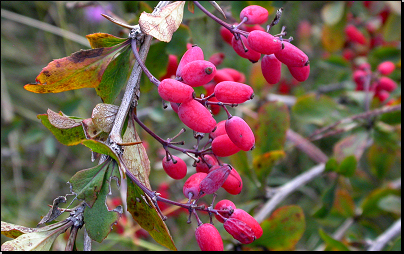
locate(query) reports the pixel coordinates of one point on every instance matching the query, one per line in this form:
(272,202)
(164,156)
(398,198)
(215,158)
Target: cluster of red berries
(381,85)
(275,49)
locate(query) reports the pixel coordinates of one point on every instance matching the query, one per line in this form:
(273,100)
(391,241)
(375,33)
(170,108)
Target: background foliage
(35,166)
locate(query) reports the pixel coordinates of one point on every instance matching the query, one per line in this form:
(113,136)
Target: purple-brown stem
(146,71)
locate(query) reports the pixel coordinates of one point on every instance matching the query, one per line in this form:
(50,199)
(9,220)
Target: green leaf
(83,69)
(343,203)
(264,163)
(333,37)
(348,166)
(157,68)
(99,147)
(69,137)
(332,13)
(103,40)
(283,229)
(390,203)
(146,215)
(332,244)
(315,110)
(87,183)
(99,219)
(327,199)
(381,160)
(273,122)
(384,53)
(115,77)
(391,118)
(370,205)
(392,28)
(331,165)
(178,44)
(354,144)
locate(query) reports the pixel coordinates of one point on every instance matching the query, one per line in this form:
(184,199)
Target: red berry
(215,179)
(203,166)
(249,220)
(255,14)
(364,67)
(233,92)
(217,58)
(386,68)
(264,42)
(176,170)
(227,36)
(175,91)
(239,230)
(355,35)
(250,54)
(208,238)
(235,74)
(300,73)
(222,146)
(192,54)
(359,77)
(387,84)
(271,69)
(233,183)
(226,205)
(222,75)
(175,106)
(382,95)
(198,73)
(194,115)
(220,130)
(254,27)
(193,185)
(171,67)
(292,55)
(240,133)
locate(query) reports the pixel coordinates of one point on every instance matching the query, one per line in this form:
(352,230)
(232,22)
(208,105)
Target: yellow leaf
(164,23)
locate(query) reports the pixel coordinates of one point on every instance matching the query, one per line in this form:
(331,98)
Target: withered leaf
(164,23)
(103,116)
(54,212)
(61,121)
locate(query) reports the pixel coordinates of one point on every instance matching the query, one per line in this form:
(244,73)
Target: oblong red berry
(222,75)
(255,14)
(203,165)
(292,55)
(264,42)
(174,106)
(250,54)
(235,74)
(386,68)
(249,220)
(386,84)
(193,185)
(217,58)
(224,205)
(355,35)
(171,66)
(300,73)
(233,183)
(215,179)
(359,76)
(198,73)
(233,92)
(177,170)
(240,133)
(271,69)
(194,115)
(175,91)
(239,230)
(192,54)
(219,130)
(208,238)
(227,36)
(222,146)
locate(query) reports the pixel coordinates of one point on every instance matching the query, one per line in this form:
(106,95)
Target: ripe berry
(217,58)
(355,35)
(235,74)
(359,77)
(382,95)
(194,115)
(251,54)
(171,67)
(271,69)
(254,27)
(176,170)
(249,220)
(387,84)
(292,55)
(175,91)
(386,68)
(227,36)
(192,54)
(222,75)
(240,133)
(239,230)
(255,14)
(233,183)
(226,205)
(174,106)
(264,42)
(300,73)
(208,238)
(215,179)
(222,146)
(233,92)
(198,73)
(192,185)
(203,166)
(220,130)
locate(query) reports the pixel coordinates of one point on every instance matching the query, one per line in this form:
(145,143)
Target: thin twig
(307,147)
(384,238)
(45,27)
(287,189)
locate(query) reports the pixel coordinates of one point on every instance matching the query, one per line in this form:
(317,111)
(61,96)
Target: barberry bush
(201,125)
